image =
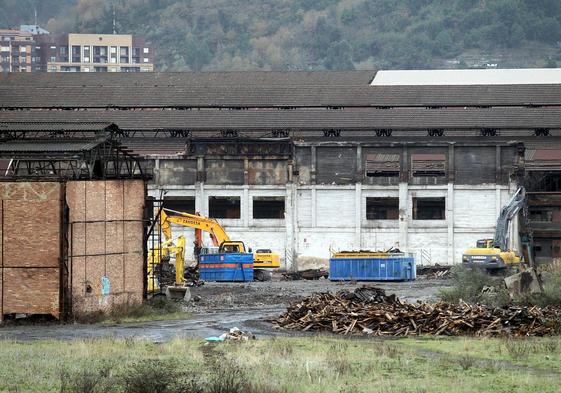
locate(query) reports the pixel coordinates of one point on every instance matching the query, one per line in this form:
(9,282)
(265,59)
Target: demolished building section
(303,163)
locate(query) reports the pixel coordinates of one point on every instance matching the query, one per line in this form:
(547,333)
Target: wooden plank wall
(106,242)
(30,260)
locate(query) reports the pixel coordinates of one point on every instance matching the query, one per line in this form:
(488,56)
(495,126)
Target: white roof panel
(468,77)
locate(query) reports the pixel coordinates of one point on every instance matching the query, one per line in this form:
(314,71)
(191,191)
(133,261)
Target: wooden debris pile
(369,311)
(310,274)
(433,271)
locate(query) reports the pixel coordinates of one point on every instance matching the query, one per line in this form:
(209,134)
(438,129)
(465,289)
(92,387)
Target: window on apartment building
(146,50)
(76,56)
(382,165)
(184,204)
(268,207)
(63,50)
(382,208)
(429,208)
(428,165)
(224,207)
(53,59)
(146,60)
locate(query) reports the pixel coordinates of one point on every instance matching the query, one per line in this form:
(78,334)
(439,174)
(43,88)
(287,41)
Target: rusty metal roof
(55,126)
(310,119)
(182,79)
(48,146)
(428,157)
(272,96)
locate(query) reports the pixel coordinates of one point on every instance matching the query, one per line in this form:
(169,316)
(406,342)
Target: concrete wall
(325,187)
(321,218)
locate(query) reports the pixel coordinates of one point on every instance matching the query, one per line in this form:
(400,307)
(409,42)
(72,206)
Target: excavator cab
(232,247)
(485,243)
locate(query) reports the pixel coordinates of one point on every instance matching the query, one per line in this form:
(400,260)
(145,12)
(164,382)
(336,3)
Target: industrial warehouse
(304,164)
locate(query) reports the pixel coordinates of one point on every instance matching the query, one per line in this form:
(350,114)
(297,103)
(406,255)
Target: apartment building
(17,51)
(95,53)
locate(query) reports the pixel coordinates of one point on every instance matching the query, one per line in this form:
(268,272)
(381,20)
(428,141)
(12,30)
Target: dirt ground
(222,306)
(280,293)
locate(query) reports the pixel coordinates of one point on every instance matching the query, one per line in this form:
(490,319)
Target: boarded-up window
(268,207)
(382,208)
(382,165)
(224,207)
(429,208)
(428,165)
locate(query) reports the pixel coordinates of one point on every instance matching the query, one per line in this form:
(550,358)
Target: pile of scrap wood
(433,271)
(369,311)
(310,274)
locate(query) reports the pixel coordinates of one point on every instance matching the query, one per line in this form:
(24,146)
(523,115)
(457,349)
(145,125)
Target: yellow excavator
(495,254)
(263,260)
(162,253)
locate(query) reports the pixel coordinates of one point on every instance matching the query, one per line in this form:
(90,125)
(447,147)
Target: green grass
(312,364)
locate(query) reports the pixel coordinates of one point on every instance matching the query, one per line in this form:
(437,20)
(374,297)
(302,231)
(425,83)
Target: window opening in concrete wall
(382,208)
(382,165)
(429,208)
(185,204)
(268,207)
(428,165)
(224,207)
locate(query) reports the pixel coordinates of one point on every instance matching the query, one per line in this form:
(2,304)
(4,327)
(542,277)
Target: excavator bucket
(178,293)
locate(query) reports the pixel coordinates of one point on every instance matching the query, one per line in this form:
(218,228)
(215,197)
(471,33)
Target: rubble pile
(310,274)
(433,271)
(369,311)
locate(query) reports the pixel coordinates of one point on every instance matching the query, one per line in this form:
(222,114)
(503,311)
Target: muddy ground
(222,306)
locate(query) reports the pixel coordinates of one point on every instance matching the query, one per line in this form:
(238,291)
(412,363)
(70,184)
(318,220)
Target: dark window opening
(382,208)
(224,207)
(429,208)
(428,165)
(268,207)
(180,204)
(382,165)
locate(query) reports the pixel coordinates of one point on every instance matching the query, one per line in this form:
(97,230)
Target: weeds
(468,285)
(150,309)
(90,380)
(519,349)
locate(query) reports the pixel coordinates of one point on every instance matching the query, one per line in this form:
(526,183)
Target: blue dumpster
(226,267)
(372,269)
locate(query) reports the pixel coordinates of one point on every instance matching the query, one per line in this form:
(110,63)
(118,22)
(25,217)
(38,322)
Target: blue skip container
(372,269)
(226,267)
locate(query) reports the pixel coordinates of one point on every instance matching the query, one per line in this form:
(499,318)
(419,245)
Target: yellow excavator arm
(217,233)
(163,251)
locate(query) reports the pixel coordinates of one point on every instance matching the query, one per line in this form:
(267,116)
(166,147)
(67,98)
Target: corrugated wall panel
(336,165)
(336,208)
(304,201)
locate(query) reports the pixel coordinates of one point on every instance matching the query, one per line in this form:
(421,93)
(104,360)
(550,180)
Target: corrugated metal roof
(54,126)
(254,96)
(48,146)
(163,79)
(359,119)
(468,77)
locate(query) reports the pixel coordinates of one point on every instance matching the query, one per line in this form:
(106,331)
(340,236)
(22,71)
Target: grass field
(313,364)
